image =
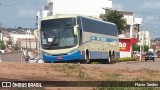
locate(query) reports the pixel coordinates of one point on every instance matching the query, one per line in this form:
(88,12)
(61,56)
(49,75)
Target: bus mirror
(36,33)
(76,30)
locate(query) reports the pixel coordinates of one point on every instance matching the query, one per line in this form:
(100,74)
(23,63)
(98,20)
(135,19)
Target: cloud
(26,13)
(152,5)
(148,19)
(117,6)
(151,20)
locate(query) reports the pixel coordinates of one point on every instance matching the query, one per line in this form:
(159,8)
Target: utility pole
(30,43)
(140,46)
(26,43)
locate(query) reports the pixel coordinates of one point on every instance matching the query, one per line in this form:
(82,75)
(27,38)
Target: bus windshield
(57,38)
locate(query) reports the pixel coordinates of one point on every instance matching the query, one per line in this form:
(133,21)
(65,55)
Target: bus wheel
(113,56)
(110,58)
(87,59)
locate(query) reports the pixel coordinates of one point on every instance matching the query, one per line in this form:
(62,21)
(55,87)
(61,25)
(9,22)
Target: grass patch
(138,79)
(73,70)
(83,75)
(114,77)
(149,71)
(141,79)
(95,63)
(126,59)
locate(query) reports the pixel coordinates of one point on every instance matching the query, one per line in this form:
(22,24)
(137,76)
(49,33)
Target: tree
(2,46)
(117,18)
(146,48)
(136,47)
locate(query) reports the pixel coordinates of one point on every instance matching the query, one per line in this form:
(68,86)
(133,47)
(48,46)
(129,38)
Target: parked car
(149,56)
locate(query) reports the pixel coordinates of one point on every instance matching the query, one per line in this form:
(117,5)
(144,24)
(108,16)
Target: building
(129,37)
(125,45)
(1,35)
(23,40)
(82,7)
(144,38)
(41,14)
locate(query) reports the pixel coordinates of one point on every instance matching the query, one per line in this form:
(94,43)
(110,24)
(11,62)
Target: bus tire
(87,58)
(110,58)
(113,57)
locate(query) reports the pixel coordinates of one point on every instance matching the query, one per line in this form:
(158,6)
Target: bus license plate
(59,58)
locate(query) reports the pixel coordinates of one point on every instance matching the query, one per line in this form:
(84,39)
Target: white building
(41,14)
(131,20)
(144,38)
(1,35)
(82,7)
(131,32)
(24,40)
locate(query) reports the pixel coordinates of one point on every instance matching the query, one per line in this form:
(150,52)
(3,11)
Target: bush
(2,46)
(126,59)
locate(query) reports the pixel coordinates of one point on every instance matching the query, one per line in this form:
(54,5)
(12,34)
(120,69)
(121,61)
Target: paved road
(136,65)
(12,57)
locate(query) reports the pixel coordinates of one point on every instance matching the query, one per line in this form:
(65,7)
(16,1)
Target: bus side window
(80,36)
(80,30)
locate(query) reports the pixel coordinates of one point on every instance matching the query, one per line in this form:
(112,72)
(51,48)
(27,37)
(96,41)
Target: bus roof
(60,16)
(75,15)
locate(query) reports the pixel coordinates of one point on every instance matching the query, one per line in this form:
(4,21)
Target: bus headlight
(73,51)
(47,54)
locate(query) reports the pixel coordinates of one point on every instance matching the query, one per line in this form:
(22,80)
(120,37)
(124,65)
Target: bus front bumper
(76,55)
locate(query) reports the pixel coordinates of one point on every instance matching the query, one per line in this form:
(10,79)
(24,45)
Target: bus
(78,38)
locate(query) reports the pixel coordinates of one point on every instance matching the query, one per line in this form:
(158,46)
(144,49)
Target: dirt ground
(71,72)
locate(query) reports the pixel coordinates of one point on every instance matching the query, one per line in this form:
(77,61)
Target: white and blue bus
(78,38)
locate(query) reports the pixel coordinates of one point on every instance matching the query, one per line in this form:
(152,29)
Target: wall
(83,7)
(125,48)
(145,38)
(22,43)
(130,21)
(12,57)
(1,35)
(125,54)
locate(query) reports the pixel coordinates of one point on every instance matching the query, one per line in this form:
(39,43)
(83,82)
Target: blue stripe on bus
(74,56)
(78,56)
(96,38)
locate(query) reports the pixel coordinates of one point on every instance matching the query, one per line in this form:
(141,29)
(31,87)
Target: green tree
(146,48)
(117,18)
(2,46)
(136,47)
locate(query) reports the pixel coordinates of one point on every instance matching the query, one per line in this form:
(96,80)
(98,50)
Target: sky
(148,10)
(15,13)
